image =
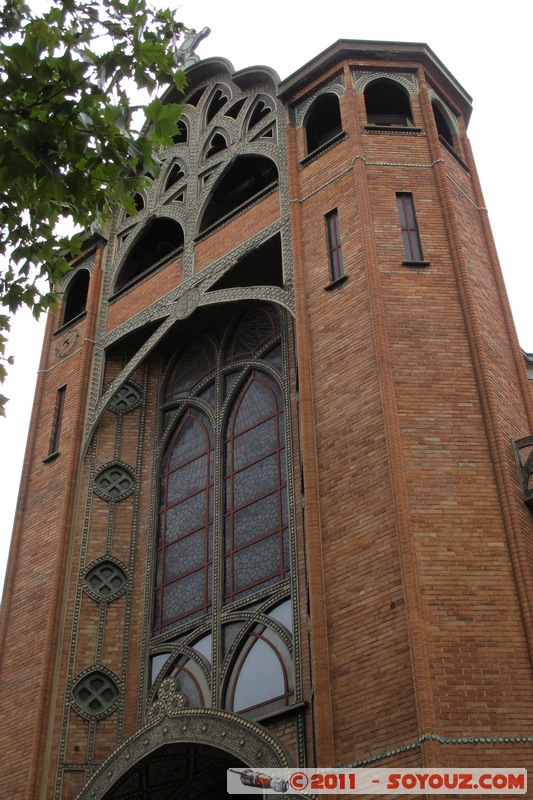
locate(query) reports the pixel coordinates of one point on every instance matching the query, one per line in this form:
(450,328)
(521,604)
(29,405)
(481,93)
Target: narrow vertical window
(411,239)
(334,245)
(185,529)
(58,418)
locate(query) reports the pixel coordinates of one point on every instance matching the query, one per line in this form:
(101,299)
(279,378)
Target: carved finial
(189,45)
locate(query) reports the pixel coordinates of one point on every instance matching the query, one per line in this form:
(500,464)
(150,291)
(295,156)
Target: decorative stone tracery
(171,722)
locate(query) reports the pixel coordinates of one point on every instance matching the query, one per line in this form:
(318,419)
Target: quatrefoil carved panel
(105,580)
(96,693)
(126,399)
(114,482)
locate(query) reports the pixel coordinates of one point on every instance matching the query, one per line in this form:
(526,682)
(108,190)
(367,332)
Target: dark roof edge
(370,50)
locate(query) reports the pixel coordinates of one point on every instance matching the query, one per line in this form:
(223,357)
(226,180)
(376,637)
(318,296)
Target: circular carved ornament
(187,303)
(67,343)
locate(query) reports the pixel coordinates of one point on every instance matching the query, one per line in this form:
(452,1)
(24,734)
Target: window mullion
(218,541)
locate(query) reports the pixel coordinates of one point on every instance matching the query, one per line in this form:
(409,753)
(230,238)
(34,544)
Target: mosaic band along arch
(362,79)
(335,87)
(450,117)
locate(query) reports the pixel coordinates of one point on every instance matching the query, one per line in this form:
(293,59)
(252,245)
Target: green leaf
(67,148)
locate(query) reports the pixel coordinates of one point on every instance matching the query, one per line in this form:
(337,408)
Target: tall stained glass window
(222,542)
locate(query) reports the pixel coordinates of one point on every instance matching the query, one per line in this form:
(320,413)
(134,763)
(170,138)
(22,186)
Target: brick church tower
(274,509)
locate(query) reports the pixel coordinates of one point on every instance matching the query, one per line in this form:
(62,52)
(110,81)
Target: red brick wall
(415,548)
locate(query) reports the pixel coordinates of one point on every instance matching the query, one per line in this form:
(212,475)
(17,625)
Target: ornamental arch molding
(86,264)
(238,737)
(335,87)
(361,80)
(449,116)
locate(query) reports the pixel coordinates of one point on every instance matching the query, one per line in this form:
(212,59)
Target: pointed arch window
(255,526)
(223,551)
(184,553)
(237,410)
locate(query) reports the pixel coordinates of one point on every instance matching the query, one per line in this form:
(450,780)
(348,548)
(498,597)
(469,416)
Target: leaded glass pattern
(255,522)
(184,550)
(196,362)
(256,328)
(222,523)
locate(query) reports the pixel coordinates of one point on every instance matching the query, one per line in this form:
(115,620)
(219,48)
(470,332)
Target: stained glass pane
(184,596)
(195,364)
(284,513)
(260,439)
(192,439)
(185,523)
(190,687)
(256,563)
(274,357)
(255,484)
(257,479)
(257,404)
(209,590)
(286,553)
(208,394)
(229,381)
(261,660)
(185,555)
(157,607)
(255,520)
(187,480)
(255,329)
(187,516)
(254,515)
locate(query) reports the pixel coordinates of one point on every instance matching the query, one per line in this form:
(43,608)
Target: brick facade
(403,387)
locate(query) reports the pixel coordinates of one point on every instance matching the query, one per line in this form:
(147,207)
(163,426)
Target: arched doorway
(183,754)
(177,771)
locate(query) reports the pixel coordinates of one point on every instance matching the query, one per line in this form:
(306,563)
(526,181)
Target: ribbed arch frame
(239,738)
(241,140)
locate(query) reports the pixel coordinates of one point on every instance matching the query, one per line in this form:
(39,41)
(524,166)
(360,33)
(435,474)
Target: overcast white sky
(485,45)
